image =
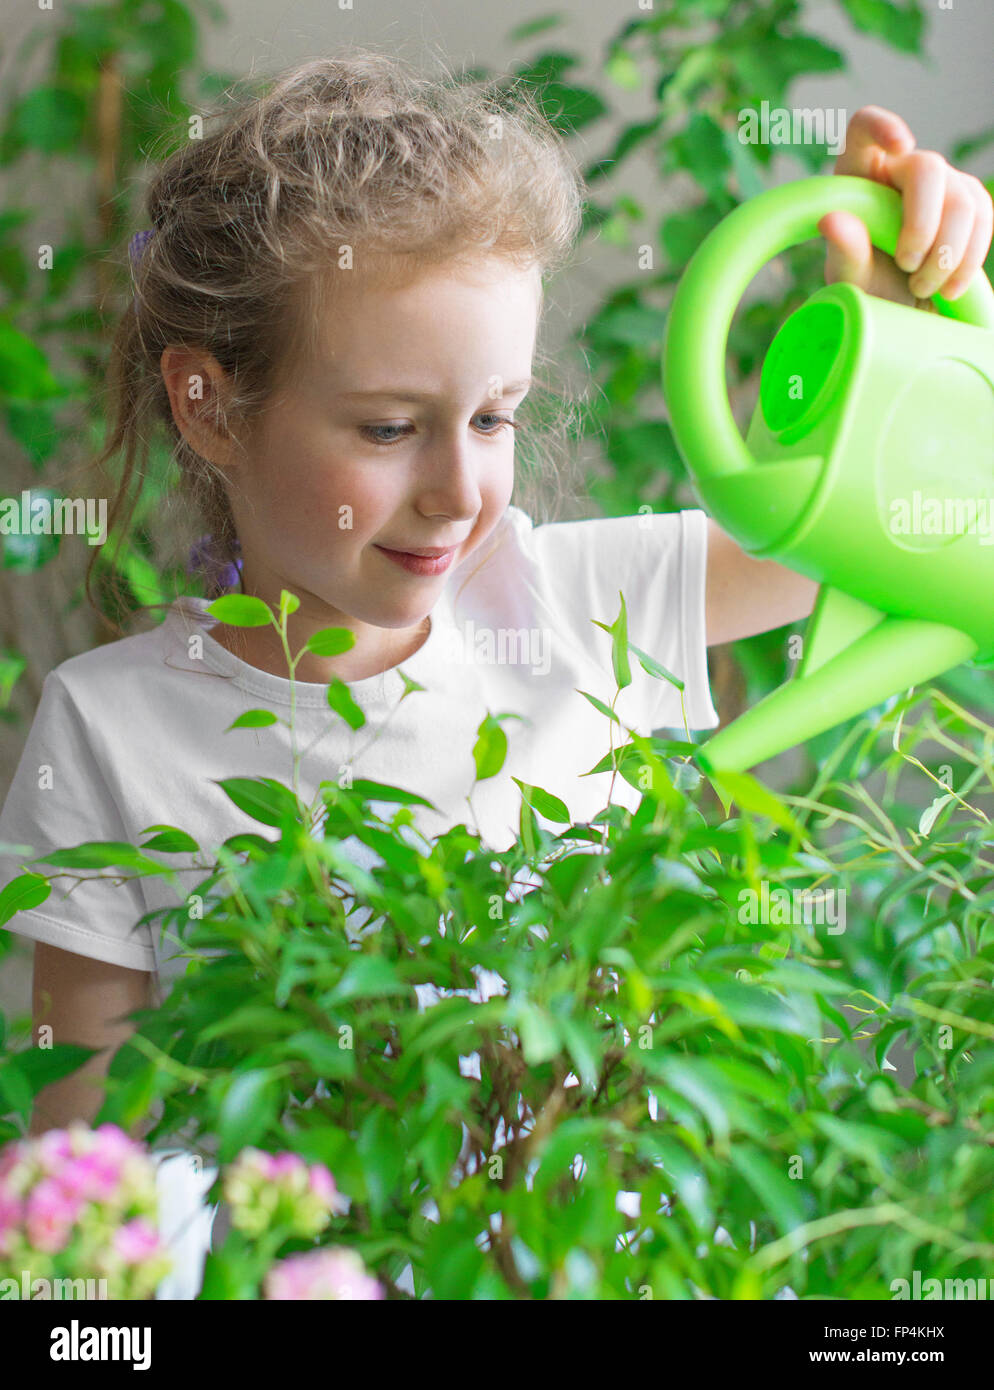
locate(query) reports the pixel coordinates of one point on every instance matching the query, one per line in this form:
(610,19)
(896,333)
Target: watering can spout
(893,655)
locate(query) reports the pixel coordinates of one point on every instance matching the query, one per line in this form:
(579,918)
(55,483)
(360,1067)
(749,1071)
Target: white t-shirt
(136,733)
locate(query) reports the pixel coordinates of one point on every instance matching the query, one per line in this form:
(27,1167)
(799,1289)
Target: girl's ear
(195,383)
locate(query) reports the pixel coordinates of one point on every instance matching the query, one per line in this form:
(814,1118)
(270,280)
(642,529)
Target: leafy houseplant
(627,1085)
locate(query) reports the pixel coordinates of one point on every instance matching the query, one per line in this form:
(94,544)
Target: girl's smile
(420,564)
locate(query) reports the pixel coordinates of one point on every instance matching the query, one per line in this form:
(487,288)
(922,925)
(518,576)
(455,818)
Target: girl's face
(395,437)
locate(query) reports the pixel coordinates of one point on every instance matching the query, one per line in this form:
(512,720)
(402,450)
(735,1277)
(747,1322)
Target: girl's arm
(946,224)
(83,1001)
(746,595)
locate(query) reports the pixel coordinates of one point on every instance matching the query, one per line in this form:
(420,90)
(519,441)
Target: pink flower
(51,1215)
(10,1156)
(136,1241)
(52,1148)
(285,1165)
(335,1273)
(114,1143)
(92,1177)
(323,1184)
(11,1215)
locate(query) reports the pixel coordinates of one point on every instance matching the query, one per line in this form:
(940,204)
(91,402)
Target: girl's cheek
(354,499)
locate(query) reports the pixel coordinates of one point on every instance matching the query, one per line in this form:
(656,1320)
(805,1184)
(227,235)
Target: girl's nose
(450,484)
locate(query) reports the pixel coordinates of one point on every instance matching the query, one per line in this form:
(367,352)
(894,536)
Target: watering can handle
(716,277)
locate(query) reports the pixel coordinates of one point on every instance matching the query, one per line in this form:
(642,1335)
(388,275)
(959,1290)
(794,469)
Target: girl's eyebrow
(510,389)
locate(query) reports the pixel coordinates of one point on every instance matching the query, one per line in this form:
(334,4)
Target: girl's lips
(420,564)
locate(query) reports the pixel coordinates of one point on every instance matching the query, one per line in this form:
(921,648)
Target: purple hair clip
(137,244)
(220,577)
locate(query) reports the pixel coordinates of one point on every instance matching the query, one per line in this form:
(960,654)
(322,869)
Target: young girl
(335,318)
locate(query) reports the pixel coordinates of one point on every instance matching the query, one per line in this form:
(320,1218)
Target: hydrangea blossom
(81,1203)
(334,1273)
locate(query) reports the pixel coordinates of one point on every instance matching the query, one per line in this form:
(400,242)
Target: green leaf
(382,1150)
(781,1196)
(240,610)
(583,1045)
(650,665)
(368,977)
(751,795)
(15,1089)
(687,1176)
(539,1034)
(341,701)
(630,138)
(931,813)
(490,748)
(702,151)
(43,1065)
(323,1052)
(12,667)
(900,26)
(865,1143)
(381,791)
(142,578)
(249,1108)
(331,641)
(253,719)
(570,108)
(599,705)
(23,893)
(169,840)
(700,1084)
(531,27)
(544,802)
(622,69)
(24,369)
(253,1019)
(682,232)
(289,603)
(50,119)
(262,798)
(101,854)
(619,644)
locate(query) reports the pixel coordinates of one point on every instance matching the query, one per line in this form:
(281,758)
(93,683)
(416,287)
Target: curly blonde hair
(358,151)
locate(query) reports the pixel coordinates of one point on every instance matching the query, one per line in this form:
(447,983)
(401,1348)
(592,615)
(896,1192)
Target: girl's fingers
(947,217)
(920,178)
(851,256)
(979,242)
(849,252)
(872,135)
(951,240)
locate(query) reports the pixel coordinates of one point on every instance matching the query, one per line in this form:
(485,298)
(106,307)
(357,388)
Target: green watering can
(868,464)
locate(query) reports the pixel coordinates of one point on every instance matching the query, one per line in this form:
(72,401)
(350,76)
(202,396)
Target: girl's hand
(947,216)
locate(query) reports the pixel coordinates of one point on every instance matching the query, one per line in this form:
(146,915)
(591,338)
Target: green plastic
(863,405)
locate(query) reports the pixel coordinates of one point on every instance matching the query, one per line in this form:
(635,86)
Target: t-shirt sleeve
(659,562)
(59,798)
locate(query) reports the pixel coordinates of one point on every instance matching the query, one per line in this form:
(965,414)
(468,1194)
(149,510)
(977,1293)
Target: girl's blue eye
(497,422)
(489,423)
(376,433)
